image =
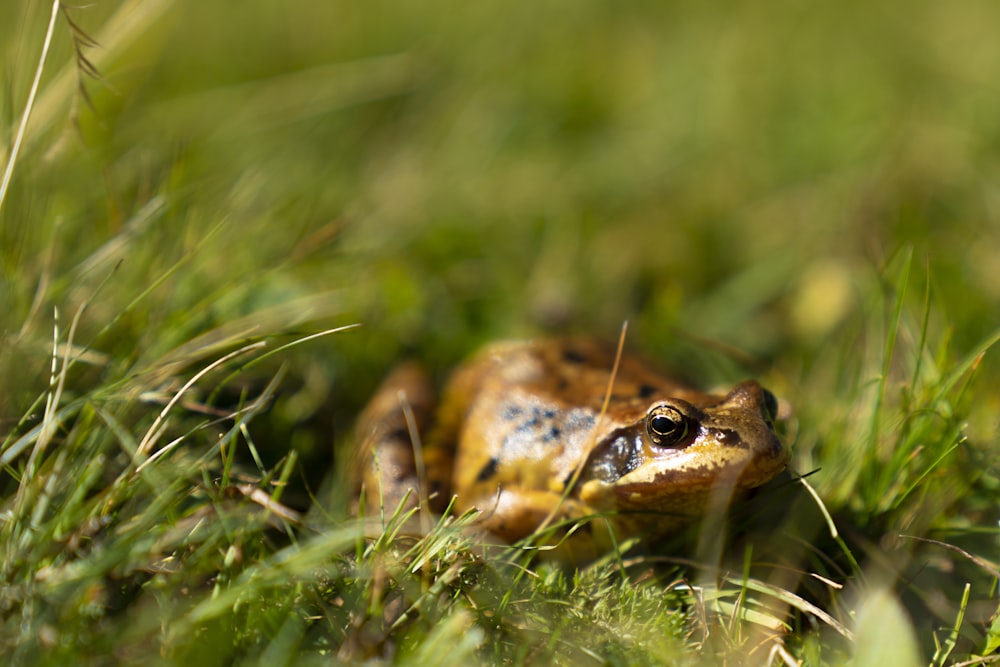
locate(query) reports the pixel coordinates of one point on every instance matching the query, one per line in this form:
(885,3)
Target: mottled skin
(521,423)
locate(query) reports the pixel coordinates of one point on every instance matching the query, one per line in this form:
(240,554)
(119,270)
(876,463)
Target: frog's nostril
(770,405)
(750,395)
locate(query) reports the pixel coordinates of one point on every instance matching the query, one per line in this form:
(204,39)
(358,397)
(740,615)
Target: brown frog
(523,434)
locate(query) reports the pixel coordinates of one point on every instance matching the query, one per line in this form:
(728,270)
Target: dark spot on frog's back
(511,412)
(577,420)
(488,470)
(646,391)
(572,356)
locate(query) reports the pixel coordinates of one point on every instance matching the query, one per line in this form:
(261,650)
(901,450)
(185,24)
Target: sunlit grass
(804,196)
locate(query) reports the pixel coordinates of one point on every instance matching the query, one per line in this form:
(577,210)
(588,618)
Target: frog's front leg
(514,513)
(385,433)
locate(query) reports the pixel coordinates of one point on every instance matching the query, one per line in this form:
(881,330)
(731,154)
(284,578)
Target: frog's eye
(666,425)
(770,405)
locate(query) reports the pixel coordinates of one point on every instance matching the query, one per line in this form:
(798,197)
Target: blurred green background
(731,178)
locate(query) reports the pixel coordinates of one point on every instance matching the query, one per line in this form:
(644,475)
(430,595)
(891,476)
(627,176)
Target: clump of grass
(897,466)
(98,518)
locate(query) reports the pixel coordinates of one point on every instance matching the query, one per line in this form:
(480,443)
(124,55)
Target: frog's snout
(751,396)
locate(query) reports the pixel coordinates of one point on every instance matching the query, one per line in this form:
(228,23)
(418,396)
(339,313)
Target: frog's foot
(388,433)
(515,514)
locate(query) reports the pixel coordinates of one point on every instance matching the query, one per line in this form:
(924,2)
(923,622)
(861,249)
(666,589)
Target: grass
(205,202)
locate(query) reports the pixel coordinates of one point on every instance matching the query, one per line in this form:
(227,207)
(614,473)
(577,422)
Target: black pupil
(663,425)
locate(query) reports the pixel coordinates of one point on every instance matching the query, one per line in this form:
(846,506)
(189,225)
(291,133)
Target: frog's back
(571,374)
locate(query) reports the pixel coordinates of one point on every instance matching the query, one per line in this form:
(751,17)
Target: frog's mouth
(687,470)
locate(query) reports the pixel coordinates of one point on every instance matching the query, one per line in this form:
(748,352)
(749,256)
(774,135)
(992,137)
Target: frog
(565,432)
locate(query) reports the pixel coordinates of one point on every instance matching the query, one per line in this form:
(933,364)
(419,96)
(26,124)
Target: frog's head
(675,455)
